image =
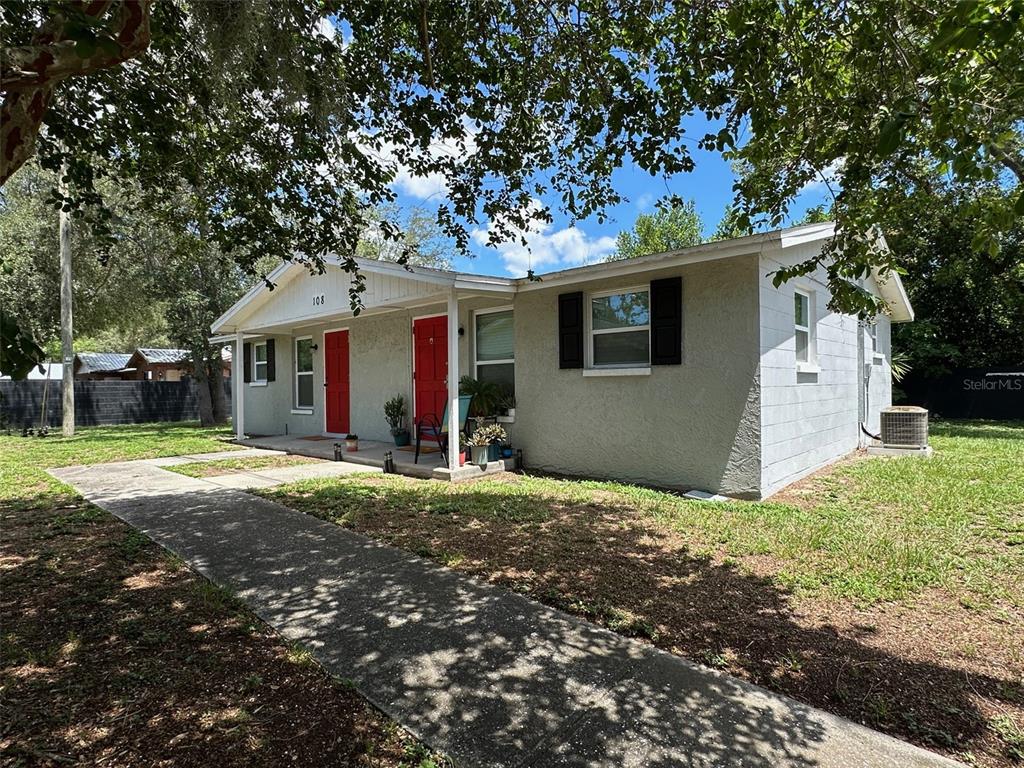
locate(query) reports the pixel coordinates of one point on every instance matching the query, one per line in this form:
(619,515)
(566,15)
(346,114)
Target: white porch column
(453,379)
(238,376)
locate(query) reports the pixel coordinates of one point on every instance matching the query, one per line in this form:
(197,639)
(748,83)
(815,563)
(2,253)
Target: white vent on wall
(904,426)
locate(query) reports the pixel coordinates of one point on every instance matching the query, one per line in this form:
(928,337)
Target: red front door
(336,378)
(430,361)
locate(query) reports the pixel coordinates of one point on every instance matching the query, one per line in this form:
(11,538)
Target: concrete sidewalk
(484,675)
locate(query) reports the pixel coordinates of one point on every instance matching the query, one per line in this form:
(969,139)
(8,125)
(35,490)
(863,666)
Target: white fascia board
(890,288)
(806,233)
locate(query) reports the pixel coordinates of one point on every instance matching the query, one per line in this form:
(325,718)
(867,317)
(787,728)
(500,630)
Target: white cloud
(547,248)
(645,202)
(829,177)
(326,28)
(432,184)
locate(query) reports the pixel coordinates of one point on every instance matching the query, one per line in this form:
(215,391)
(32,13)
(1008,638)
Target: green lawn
(228,466)
(112,652)
(24,460)
(868,529)
(890,591)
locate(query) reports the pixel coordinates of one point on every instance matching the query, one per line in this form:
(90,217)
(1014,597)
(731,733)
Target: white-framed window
(803,326)
(873,335)
(303,356)
(259,361)
(494,348)
(620,328)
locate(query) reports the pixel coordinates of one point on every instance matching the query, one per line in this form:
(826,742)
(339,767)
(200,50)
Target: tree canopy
(969,304)
(293,119)
(667,229)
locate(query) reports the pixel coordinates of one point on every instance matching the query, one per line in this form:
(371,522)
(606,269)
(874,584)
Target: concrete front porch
(371,453)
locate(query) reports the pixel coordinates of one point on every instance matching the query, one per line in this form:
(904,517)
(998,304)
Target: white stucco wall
(380,366)
(811,419)
(683,426)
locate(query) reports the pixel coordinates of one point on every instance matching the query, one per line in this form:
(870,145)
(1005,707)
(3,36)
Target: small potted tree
(485,396)
(394,412)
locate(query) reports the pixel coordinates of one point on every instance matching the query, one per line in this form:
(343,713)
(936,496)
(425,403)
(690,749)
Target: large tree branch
(1009,160)
(29,72)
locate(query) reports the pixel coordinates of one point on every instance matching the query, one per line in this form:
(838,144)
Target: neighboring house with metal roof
(686,369)
(100,365)
(144,364)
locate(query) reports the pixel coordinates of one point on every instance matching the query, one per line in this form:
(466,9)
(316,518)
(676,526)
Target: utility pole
(66,333)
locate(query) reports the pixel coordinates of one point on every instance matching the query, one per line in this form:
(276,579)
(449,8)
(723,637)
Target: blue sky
(562,245)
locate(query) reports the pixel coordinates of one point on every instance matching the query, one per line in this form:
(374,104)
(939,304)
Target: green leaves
(669,228)
(890,135)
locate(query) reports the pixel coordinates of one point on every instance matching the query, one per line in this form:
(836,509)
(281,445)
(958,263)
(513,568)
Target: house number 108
(319,300)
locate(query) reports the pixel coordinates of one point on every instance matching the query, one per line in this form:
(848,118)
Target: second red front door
(337,381)
(430,365)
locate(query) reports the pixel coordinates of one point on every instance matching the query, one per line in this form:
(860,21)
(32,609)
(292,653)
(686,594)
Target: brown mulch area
(114,654)
(930,671)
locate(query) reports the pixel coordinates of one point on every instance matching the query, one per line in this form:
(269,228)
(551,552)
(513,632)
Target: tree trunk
(202,379)
(220,403)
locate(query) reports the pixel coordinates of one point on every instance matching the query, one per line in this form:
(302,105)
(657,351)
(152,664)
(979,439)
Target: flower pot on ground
(395,414)
(481,455)
(506,451)
(351,443)
(488,439)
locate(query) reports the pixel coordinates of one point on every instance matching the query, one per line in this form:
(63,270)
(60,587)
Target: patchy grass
(889,591)
(112,652)
(218,467)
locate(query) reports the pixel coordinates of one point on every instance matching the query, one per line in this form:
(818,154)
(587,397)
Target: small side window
(259,361)
(803,326)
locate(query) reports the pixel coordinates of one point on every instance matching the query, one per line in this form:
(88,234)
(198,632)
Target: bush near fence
(102,402)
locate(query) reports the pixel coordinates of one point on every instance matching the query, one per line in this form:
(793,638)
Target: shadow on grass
(111,651)
(595,559)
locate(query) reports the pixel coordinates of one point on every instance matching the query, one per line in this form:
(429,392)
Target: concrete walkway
(484,675)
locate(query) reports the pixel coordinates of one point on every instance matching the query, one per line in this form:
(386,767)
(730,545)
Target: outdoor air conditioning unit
(905,426)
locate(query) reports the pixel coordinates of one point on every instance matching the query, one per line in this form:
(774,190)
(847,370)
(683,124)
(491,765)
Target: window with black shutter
(247,362)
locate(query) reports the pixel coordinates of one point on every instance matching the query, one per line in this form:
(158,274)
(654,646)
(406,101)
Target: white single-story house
(684,370)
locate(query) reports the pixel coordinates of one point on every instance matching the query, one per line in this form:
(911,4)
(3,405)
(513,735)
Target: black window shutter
(247,362)
(271,365)
(667,321)
(570,330)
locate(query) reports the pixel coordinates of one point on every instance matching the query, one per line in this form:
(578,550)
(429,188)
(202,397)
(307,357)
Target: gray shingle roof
(154,355)
(95,362)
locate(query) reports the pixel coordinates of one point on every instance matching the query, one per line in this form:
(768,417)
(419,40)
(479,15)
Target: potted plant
(485,396)
(351,443)
(507,404)
(480,448)
(394,412)
(491,435)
